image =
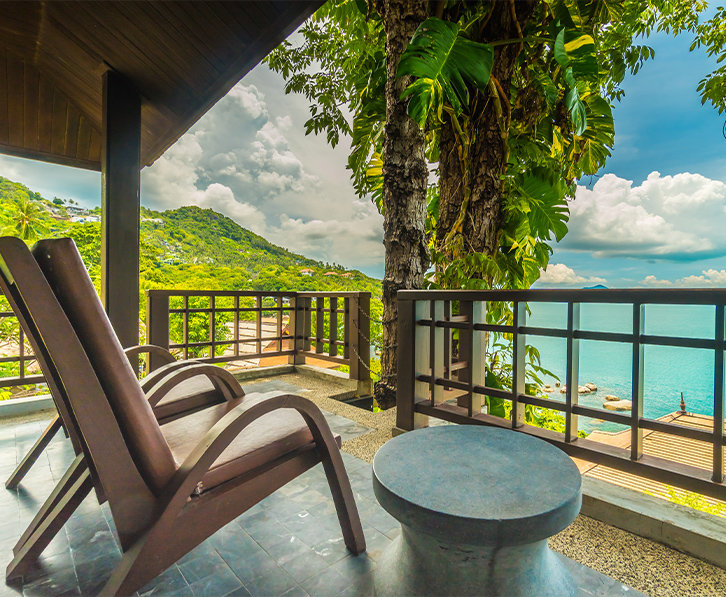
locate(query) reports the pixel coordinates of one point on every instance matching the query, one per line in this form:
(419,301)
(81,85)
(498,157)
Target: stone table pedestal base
(418,564)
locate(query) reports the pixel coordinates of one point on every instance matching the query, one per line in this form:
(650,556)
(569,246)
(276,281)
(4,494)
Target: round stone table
(476,506)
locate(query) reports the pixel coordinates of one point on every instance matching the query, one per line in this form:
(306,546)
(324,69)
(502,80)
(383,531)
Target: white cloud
(558,274)
(678,218)
(250,160)
(358,240)
(173,181)
(709,278)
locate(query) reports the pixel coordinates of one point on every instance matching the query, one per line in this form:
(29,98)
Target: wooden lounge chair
(19,270)
(168,487)
(197,393)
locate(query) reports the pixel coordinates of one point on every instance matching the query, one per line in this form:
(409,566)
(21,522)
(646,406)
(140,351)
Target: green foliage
(693,500)
(189,249)
(573,57)
(443,63)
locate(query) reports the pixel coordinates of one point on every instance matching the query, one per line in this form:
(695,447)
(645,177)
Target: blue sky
(654,216)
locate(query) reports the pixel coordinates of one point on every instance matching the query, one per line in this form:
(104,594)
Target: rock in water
(583,390)
(611,397)
(592,386)
(618,405)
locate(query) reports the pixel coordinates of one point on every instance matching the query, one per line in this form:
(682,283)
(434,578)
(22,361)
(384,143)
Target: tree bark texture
(405,177)
(488,151)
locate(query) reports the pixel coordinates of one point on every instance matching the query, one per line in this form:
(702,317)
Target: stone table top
(477,485)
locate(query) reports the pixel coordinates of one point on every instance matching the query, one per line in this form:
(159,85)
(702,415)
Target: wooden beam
(120,207)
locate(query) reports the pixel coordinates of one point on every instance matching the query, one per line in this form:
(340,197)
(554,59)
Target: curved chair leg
(338,481)
(33,453)
(345,505)
(137,567)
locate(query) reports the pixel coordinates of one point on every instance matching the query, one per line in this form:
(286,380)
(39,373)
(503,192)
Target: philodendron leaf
(577,110)
(548,211)
(572,99)
(443,63)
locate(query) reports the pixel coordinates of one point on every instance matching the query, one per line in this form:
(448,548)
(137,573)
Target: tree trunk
(487,155)
(405,176)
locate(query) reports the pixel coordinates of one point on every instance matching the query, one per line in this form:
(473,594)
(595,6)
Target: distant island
(596,287)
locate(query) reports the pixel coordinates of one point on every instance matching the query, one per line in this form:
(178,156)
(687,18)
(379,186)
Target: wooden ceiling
(182,57)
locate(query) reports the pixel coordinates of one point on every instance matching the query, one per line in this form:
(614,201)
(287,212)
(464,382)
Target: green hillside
(185,248)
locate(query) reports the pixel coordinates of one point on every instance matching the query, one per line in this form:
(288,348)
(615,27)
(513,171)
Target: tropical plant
(508,145)
(27,220)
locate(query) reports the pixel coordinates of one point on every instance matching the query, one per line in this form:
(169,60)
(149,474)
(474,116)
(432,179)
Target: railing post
(333,327)
(437,358)
(297,329)
(636,433)
(157,323)
(472,348)
(359,337)
(413,356)
(519,362)
(319,323)
(573,370)
(718,397)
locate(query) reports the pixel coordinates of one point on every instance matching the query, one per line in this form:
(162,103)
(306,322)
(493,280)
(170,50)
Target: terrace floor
(290,543)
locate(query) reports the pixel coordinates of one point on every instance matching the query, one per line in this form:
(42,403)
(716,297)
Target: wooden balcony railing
(442,373)
(237,325)
(15,354)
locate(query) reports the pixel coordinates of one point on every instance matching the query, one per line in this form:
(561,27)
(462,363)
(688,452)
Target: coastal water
(668,371)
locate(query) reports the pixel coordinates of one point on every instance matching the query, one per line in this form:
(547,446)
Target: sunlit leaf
(443,63)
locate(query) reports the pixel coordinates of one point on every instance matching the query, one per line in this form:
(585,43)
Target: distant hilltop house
(85,219)
(307,272)
(330,274)
(347,275)
(153,220)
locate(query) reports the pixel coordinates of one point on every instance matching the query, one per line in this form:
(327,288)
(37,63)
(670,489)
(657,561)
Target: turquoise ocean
(668,371)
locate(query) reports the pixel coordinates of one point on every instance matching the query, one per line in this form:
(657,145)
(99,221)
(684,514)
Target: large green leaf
(444,63)
(548,211)
(584,46)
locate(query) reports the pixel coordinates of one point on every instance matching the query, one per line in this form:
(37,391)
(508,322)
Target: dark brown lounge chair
(169,403)
(169,487)
(197,393)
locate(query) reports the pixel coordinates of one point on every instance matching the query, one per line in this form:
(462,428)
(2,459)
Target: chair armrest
(153,378)
(222,380)
(151,349)
(223,433)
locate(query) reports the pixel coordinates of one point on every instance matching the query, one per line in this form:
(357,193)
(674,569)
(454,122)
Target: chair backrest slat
(88,414)
(67,276)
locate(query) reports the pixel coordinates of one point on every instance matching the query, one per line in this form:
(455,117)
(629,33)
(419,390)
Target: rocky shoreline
(611,402)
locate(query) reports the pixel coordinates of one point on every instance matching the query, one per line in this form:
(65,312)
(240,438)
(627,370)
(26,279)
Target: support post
(573,370)
(519,363)
(636,412)
(472,349)
(157,324)
(297,330)
(120,206)
(718,397)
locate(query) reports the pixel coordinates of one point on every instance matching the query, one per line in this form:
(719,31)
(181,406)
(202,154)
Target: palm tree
(28,222)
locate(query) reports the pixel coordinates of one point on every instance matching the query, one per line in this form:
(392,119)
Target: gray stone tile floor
(289,544)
